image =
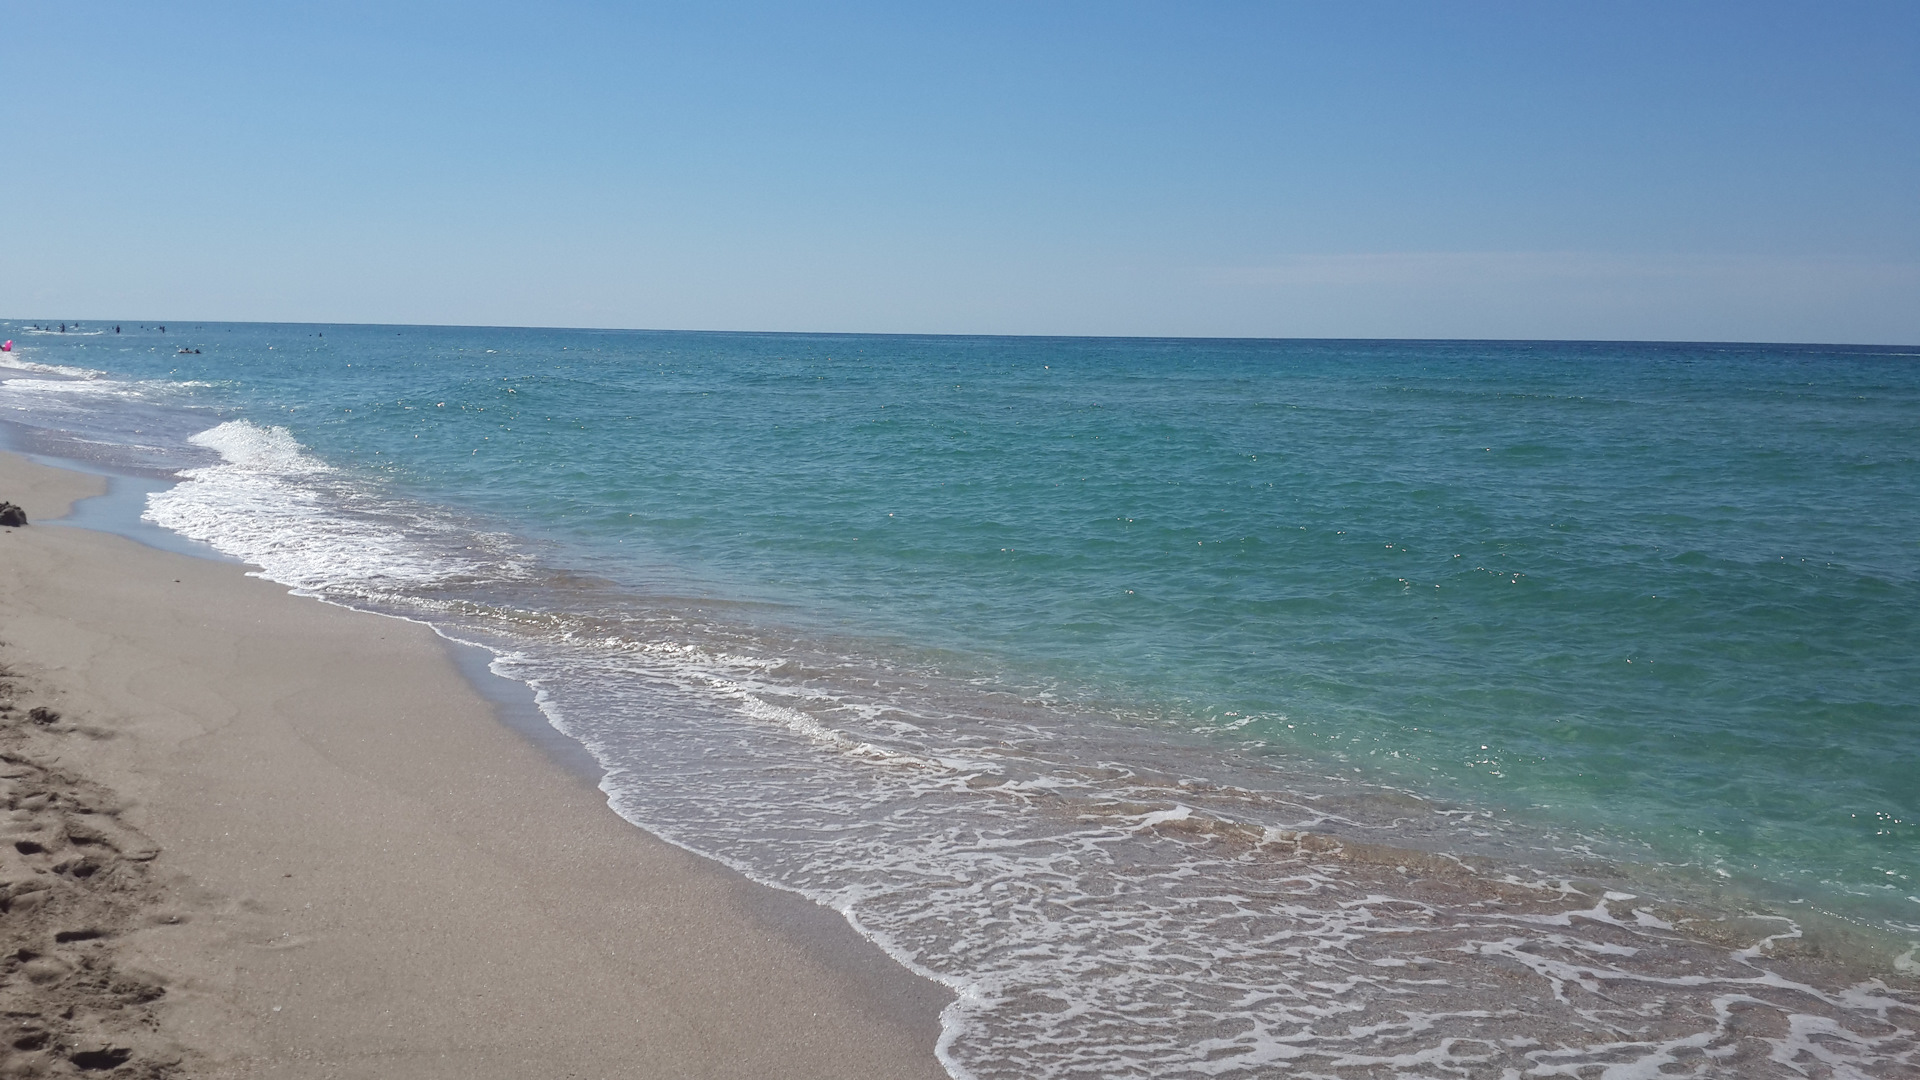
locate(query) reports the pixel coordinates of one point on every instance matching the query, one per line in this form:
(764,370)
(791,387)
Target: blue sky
(1670,170)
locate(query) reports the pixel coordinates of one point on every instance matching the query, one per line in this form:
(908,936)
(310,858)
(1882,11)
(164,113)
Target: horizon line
(1027,336)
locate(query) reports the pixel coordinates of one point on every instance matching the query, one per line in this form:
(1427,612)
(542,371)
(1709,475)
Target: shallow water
(1192,708)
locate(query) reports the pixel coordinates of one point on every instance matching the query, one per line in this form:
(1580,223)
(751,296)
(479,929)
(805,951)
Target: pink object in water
(8,347)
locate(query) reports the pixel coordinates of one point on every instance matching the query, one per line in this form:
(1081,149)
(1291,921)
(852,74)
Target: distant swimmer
(116,329)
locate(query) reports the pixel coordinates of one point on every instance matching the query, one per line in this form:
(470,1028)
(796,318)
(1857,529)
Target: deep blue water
(1661,602)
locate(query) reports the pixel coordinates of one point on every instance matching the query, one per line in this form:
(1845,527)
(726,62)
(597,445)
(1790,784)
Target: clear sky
(1673,170)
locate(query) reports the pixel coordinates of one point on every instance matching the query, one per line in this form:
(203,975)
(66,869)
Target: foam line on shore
(456,783)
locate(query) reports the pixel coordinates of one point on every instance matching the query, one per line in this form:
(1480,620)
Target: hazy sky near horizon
(1725,171)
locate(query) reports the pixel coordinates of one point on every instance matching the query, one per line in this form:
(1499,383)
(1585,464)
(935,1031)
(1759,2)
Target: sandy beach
(252,834)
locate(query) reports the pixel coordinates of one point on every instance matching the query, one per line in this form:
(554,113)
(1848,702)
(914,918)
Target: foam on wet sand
(311,850)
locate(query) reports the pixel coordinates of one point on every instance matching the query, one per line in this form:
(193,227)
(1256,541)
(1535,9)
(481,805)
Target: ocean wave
(307,524)
(97,387)
(15,362)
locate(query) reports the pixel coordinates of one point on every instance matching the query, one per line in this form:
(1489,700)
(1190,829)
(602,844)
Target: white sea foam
(261,450)
(88,387)
(18,363)
(303,523)
(67,400)
(1095,921)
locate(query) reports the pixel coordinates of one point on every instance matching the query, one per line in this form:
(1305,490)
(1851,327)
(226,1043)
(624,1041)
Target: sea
(1189,708)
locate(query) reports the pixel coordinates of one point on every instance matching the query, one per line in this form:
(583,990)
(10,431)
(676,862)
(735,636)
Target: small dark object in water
(12,515)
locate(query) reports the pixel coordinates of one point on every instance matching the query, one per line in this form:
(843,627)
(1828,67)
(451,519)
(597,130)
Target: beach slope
(292,841)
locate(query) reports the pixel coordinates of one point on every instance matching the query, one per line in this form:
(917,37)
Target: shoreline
(1052,865)
(351,895)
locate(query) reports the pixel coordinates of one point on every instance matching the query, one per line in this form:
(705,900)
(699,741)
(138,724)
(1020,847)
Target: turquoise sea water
(1646,613)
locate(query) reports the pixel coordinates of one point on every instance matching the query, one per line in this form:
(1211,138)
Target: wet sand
(251,834)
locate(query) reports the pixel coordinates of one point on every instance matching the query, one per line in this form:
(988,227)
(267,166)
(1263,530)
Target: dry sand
(255,835)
